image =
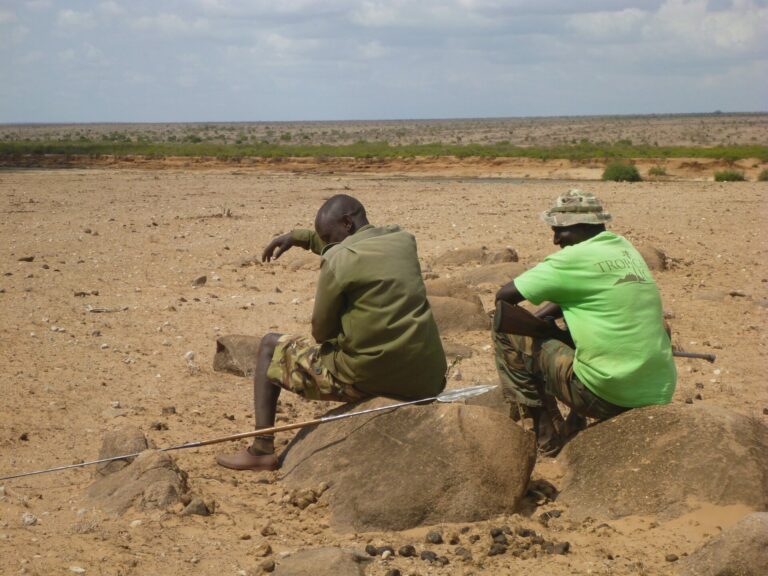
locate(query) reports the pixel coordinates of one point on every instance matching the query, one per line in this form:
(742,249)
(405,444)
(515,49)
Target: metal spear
(447,396)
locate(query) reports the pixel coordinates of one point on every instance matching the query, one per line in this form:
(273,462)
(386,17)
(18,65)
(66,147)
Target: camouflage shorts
(296,366)
(531,369)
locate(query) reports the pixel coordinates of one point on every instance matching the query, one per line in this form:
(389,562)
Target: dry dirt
(657,130)
(95,330)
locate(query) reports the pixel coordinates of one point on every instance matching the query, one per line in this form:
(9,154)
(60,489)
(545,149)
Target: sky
(283,60)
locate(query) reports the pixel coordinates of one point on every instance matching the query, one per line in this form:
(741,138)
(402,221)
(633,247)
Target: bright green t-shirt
(613,310)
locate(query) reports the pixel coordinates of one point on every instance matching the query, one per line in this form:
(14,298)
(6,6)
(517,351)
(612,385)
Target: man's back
(613,310)
(371,298)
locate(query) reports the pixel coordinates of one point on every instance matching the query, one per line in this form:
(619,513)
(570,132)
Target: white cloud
(741,28)
(172,24)
(73,20)
(6,17)
(373,50)
(608,25)
(111,8)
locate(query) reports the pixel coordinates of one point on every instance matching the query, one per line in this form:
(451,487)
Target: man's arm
(329,305)
(509,294)
(307,239)
(512,319)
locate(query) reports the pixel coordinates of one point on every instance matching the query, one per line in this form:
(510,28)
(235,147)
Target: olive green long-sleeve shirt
(371,314)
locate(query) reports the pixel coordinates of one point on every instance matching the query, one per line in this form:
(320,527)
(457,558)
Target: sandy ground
(134,240)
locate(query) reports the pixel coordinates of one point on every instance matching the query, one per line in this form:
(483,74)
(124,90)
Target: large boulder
(457,315)
(323,562)
(655,460)
(236,354)
(413,466)
(495,274)
(451,288)
(741,550)
(152,480)
(482,255)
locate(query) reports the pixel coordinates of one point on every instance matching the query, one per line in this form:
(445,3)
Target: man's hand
(277,246)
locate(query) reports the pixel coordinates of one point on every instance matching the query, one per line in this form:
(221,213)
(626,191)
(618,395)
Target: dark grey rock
(662,458)
(323,562)
(741,550)
(436,443)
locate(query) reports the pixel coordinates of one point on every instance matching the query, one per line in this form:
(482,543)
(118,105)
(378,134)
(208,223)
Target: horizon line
(387,120)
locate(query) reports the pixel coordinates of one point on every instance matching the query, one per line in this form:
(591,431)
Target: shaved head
(340,204)
(339,216)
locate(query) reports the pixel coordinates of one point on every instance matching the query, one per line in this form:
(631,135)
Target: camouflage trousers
(297,367)
(533,371)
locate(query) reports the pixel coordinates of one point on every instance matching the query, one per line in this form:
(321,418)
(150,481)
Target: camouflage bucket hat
(576,207)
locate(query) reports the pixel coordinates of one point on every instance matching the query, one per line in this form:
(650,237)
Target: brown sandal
(247,460)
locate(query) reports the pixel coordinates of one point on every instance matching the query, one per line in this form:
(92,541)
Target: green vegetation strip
(580,151)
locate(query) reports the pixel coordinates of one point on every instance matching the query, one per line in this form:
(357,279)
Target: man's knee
(267,345)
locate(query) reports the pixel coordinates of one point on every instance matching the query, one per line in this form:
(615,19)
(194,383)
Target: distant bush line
(365,149)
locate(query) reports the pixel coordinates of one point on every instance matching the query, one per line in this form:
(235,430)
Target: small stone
(24,436)
(197,507)
(386,554)
(501,539)
(157,425)
(561,548)
(698,396)
(245,536)
(28,519)
(454,539)
(689,400)
(671,558)
(104,346)
(135,524)
(169,410)
(115,404)
(407,551)
(200,281)
(434,537)
(525,532)
(26,259)
(77,569)
(463,553)
(381,550)
(428,556)
(765,411)
(263,549)
(465,529)
(497,549)
(189,356)
(268,565)
(267,530)
(370,549)
(443,560)
(474,538)
(393,572)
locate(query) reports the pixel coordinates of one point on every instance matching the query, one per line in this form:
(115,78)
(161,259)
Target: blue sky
(260,60)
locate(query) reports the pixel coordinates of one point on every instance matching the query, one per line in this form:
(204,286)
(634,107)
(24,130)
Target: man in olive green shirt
(372,323)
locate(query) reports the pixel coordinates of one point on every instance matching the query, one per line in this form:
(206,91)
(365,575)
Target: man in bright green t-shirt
(602,287)
(372,327)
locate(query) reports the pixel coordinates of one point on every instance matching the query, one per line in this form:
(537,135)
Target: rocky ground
(103,325)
